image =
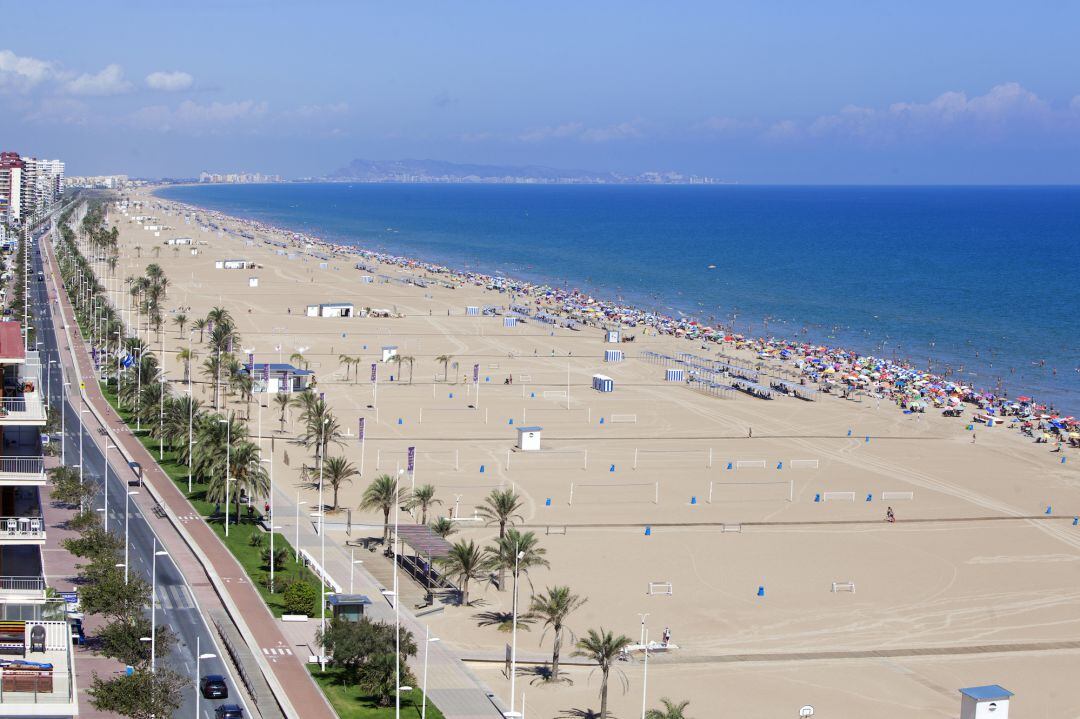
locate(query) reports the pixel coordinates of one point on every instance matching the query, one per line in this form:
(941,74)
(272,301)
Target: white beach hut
(389,352)
(331,309)
(232,264)
(253,281)
(613,355)
(988,702)
(603,383)
(528,439)
(612,337)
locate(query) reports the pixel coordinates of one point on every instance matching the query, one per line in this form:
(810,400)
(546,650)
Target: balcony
(21,403)
(22,530)
(37,677)
(21,577)
(25,471)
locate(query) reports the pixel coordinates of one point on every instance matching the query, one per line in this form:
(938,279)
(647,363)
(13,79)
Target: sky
(784,92)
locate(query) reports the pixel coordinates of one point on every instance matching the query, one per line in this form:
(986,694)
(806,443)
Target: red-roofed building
(11,344)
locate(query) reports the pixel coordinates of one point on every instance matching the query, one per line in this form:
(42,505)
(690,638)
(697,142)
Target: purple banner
(374,372)
(360,429)
(412,458)
(266,373)
(475,373)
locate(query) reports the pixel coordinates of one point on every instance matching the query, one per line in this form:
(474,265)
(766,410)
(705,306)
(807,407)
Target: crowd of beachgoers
(831,369)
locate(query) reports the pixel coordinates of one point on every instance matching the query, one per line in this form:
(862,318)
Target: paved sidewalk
(228,586)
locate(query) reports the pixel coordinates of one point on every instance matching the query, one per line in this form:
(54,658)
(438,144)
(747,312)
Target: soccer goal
(614,493)
(803,463)
(623,418)
(773,491)
(838,496)
(660,588)
(750,464)
(897,495)
(843,587)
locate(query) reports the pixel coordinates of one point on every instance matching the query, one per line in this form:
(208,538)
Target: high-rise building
(11,186)
(33,628)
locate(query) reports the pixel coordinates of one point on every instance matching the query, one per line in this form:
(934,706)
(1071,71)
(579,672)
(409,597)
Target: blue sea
(982,280)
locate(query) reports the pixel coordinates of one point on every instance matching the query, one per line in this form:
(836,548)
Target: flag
(374,372)
(475,373)
(412,459)
(360,429)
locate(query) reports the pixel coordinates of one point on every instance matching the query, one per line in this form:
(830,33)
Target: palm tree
(200,325)
(603,648)
(321,427)
(187,356)
(408,360)
(347,362)
(443,527)
(336,472)
(501,506)
(219,316)
(553,608)
(384,494)
(211,367)
(248,472)
(516,552)
(297,358)
(464,562)
(282,401)
(445,359)
(398,360)
(424,498)
(180,320)
(671,710)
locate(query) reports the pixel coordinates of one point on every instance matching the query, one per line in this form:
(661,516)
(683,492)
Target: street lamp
(296,546)
(513,636)
(228,468)
(428,641)
(322,539)
(198,658)
(127,542)
(270,461)
(190,436)
(153,606)
(108,445)
(63,428)
(161,418)
(352,567)
(397,602)
(81,431)
(645,674)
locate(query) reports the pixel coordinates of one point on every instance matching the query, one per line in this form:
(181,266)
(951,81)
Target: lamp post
(198,658)
(63,427)
(161,417)
(127,537)
(645,674)
(352,566)
(228,467)
(428,640)
(190,437)
(397,602)
(82,429)
(513,635)
(270,461)
(322,540)
(296,545)
(108,445)
(153,606)
(138,388)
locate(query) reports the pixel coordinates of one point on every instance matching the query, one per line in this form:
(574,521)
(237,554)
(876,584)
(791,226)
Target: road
(177,607)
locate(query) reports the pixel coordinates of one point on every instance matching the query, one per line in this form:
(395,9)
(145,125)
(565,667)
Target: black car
(229,711)
(213,686)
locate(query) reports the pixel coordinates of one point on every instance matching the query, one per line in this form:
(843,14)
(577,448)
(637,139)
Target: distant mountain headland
(453,172)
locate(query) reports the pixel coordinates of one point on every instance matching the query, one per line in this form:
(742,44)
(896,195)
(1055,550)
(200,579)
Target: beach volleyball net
(780,490)
(614,493)
(663,458)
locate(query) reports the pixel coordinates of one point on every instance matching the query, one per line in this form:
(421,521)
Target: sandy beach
(978,582)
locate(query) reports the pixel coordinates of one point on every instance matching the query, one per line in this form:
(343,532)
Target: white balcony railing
(22,585)
(22,465)
(22,528)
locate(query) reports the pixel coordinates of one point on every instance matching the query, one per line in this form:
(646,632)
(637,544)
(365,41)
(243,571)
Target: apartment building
(28,186)
(11,183)
(37,677)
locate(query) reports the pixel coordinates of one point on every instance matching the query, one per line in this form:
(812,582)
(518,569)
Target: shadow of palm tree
(541,674)
(582,714)
(502,620)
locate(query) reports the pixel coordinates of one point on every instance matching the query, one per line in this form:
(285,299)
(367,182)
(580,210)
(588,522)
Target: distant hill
(441,171)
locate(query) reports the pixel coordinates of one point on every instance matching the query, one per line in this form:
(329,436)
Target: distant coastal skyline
(827,94)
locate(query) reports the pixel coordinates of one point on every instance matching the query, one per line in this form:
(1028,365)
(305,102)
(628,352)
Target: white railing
(22,528)
(22,584)
(22,465)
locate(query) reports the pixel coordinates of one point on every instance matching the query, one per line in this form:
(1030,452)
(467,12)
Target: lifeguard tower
(528,439)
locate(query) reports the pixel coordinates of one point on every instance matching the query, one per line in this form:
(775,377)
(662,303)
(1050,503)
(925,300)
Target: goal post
(803,463)
(838,496)
(661,588)
(897,495)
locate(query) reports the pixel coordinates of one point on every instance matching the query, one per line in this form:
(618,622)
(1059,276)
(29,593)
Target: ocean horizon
(978,280)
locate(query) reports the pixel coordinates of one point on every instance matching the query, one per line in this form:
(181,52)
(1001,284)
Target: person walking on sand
(889,516)
(973,438)
(749,432)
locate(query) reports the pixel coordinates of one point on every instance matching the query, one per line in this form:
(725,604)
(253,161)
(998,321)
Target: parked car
(229,711)
(213,686)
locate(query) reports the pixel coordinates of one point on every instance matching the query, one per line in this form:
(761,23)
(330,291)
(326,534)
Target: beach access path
(194,546)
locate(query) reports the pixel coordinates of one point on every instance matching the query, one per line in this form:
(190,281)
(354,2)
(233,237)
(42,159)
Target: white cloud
(169,81)
(19,74)
(308,112)
(55,110)
(578,131)
(190,116)
(110,81)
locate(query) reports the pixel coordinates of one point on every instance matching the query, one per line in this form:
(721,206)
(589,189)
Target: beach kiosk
(349,607)
(613,355)
(528,439)
(989,702)
(389,352)
(232,264)
(612,337)
(331,309)
(278,377)
(603,383)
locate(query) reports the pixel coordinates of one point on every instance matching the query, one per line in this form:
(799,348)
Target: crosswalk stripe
(164,601)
